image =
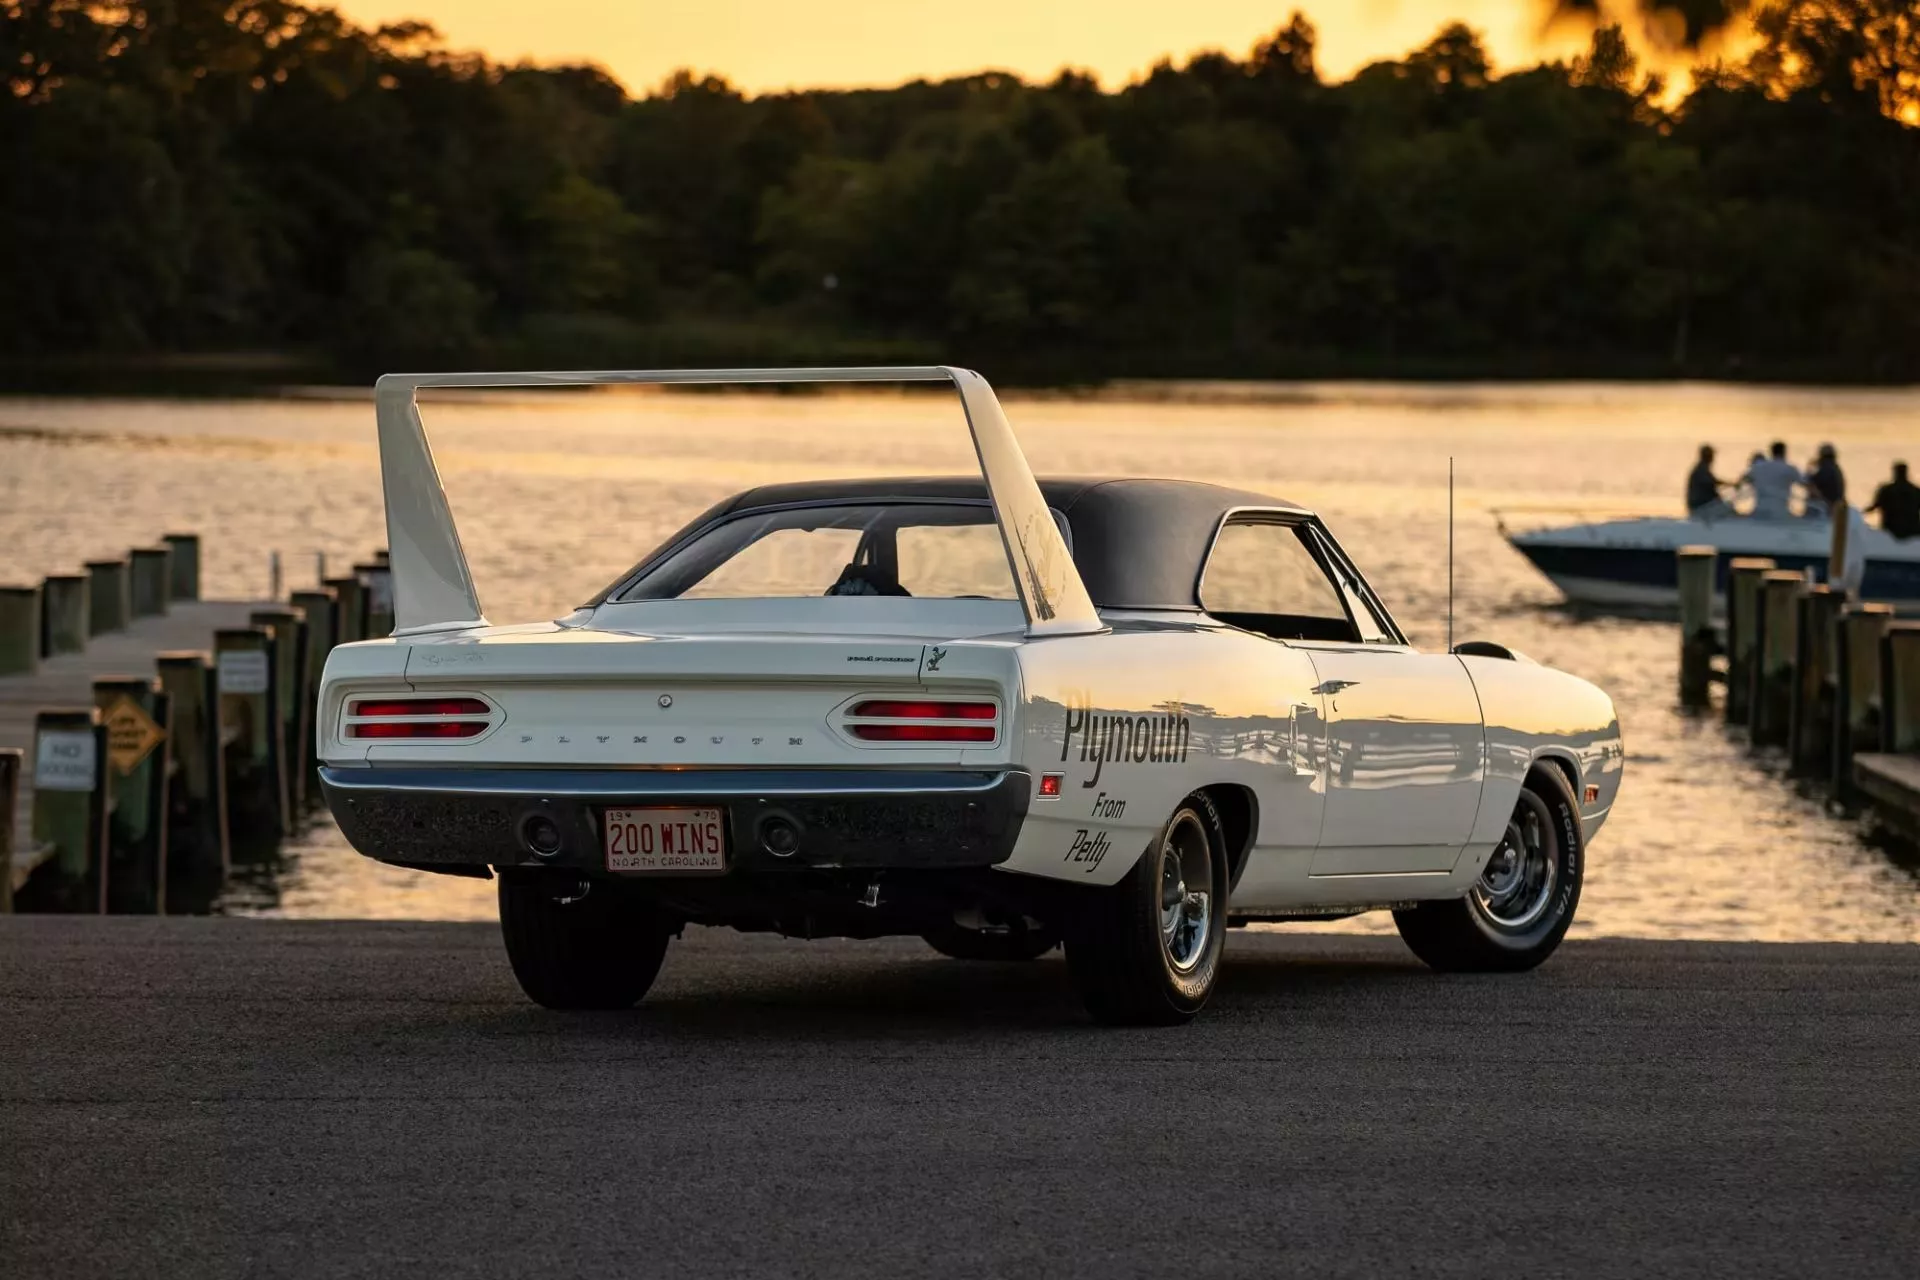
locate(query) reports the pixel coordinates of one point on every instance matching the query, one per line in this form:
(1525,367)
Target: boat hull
(1631,565)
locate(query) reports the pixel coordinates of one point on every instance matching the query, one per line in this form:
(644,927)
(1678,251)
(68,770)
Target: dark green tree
(225,174)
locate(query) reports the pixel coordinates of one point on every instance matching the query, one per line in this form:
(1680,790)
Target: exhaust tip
(541,835)
(779,835)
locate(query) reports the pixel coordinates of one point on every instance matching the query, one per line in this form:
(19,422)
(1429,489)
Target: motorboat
(1629,565)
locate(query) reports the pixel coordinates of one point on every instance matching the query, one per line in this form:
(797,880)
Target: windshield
(937,550)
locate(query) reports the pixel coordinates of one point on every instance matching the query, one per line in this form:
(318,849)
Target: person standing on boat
(1703,489)
(1826,480)
(1772,479)
(1898,502)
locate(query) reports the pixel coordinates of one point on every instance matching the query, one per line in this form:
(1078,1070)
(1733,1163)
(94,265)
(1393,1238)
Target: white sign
(64,760)
(243,671)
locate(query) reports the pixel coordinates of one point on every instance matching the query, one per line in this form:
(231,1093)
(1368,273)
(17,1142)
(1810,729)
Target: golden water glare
(558,494)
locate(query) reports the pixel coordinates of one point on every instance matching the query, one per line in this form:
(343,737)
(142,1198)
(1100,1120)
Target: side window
(1264,577)
(1373,627)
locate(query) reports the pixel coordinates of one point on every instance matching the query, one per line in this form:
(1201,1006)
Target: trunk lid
(575,696)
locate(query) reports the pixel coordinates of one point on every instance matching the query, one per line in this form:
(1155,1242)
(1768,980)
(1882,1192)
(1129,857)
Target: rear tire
(1521,906)
(581,944)
(1146,951)
(1003,945)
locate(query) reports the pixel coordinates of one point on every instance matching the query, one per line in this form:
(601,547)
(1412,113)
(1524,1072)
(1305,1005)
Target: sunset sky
(777,44)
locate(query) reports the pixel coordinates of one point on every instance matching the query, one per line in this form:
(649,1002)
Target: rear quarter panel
(1135,719)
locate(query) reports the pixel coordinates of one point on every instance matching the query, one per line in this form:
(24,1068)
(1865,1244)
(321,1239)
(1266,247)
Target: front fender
(1535,714)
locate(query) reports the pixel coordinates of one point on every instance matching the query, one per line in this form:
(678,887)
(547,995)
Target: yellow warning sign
(131,735)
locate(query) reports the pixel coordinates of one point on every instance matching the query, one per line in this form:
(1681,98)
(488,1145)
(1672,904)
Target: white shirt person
(1771,481)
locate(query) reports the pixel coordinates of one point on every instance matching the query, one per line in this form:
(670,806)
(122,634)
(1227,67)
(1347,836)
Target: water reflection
(558,496)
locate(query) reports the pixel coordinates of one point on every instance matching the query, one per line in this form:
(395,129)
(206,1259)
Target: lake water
(556,493)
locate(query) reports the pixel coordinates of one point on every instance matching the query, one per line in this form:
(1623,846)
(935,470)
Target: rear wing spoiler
(433,588)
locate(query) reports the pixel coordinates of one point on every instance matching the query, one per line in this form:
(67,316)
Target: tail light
(417,718)
(920,720)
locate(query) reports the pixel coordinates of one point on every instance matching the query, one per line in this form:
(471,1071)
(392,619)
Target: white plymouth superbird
(1003,714)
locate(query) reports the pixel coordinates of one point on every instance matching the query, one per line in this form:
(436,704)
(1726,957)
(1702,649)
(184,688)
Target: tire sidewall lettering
(1566,897)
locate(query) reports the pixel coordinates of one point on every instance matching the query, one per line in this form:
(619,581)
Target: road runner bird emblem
(934,655)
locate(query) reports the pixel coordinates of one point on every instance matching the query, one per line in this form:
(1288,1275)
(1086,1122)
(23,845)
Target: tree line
(220,175)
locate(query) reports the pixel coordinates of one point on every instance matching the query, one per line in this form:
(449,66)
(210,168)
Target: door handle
(1327,688)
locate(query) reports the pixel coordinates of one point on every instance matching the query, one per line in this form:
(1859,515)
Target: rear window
(948,550)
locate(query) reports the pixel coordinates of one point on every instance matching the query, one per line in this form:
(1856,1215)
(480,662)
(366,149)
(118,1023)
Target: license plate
(665,840)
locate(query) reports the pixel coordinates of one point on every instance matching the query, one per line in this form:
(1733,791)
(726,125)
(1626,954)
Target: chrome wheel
(1146,952)
(1520,878)
(1186,893)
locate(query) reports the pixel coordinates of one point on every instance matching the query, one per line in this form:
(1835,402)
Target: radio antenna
(1449,553)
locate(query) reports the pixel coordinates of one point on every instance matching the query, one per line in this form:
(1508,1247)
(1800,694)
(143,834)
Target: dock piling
(20,637)
(1856,725)
(10,758)
(1697,639)
(1776,639)
(1900,687)
(69,812)
(350,609)
(183,575)
(376,581)
(109,602)
(149,580)
(63,614)
(1810,721)
(135,714)
(288,628)
(319,607)
(250,732)
(317,604)
(197,855)
(1743,610)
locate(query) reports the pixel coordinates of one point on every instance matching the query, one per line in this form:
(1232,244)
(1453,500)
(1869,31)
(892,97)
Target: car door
(1406,743)
(1279,714)
(1400,731)
(1406,759)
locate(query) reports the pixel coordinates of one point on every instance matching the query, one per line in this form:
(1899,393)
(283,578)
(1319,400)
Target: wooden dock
(149,739)
(1827,684)
(66,680)
(1892,784)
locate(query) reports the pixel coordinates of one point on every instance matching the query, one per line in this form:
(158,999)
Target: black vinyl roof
(1139,544)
